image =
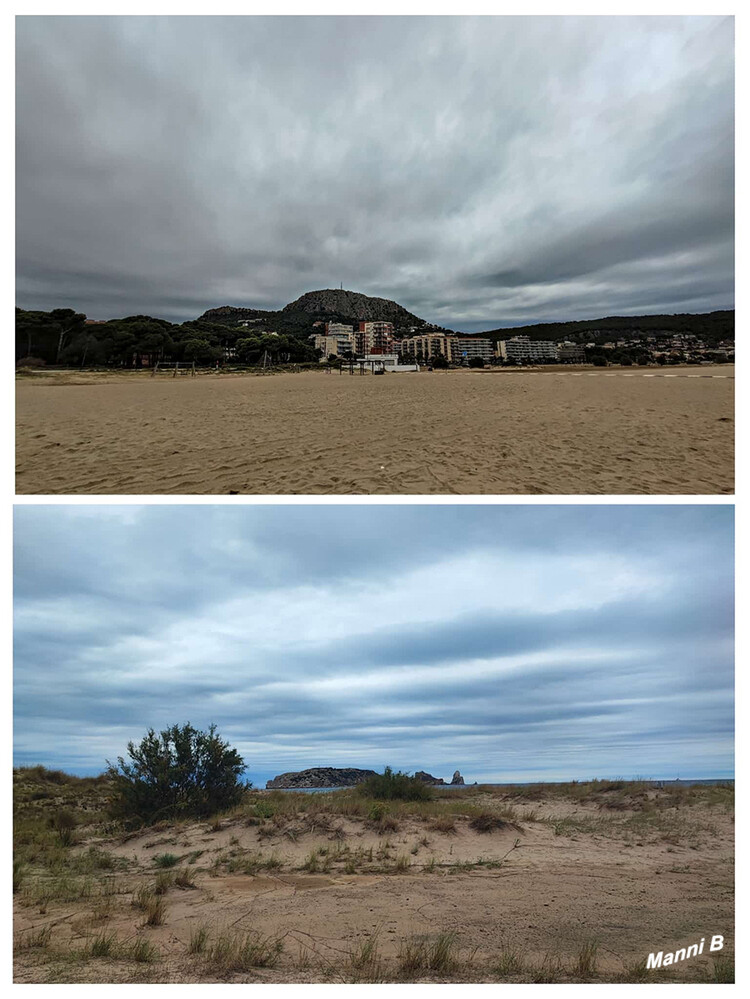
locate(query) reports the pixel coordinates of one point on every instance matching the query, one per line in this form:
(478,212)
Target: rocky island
(322,777)
(456,780)
(343,777)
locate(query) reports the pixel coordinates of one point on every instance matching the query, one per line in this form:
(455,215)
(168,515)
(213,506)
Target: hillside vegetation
(247,336)
(712,326)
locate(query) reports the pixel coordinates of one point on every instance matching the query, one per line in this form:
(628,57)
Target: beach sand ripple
(457,432)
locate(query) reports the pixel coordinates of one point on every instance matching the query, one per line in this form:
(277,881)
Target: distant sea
(528,783)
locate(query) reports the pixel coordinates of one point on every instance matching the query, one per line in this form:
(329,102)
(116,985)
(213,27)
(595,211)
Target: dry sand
(632,893)
(463,432)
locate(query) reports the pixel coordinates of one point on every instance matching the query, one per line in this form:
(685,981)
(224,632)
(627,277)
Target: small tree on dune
(180,771)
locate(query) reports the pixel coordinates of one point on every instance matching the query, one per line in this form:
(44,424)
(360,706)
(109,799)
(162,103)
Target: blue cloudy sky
(511,642)
(481,171)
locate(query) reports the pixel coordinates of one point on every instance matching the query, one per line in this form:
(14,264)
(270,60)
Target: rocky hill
(332,305)
(340,304)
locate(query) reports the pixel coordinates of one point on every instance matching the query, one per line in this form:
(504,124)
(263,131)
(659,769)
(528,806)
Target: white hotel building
(521,348)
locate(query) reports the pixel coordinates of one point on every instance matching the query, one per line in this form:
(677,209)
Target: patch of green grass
(166,860)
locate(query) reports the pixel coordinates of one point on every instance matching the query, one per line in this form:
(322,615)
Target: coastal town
(378,341)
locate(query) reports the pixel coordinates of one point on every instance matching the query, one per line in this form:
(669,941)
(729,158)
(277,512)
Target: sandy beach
(577,886)
(548,431)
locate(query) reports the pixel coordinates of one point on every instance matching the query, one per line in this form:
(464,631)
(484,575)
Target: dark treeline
(63,337)
(712,327)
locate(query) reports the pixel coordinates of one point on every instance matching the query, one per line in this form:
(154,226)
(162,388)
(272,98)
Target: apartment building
(521,348)
(426,346)
(463,349)
(570,353)
(338,344)
(339,329)
(374,338)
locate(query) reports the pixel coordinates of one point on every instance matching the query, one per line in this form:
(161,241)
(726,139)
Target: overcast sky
(481,171)
(512,643)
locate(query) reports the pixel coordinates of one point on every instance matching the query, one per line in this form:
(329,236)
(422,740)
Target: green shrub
(390,786)
(180,771)
(64,823)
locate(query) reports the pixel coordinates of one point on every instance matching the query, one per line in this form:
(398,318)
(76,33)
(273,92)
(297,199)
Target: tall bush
(180,771)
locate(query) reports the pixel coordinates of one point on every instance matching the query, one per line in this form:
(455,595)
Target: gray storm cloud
(482,171)
(512,642)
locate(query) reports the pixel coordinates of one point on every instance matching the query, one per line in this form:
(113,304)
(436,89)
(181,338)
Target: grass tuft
(417,954)
(510,962)
(166,860)
(365,964)
(164,881)
(103,945)
(585,962)
(155,911)
(185,878)
(198,940)
(142,951)
(486,822)
(35,939)
(243,951)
